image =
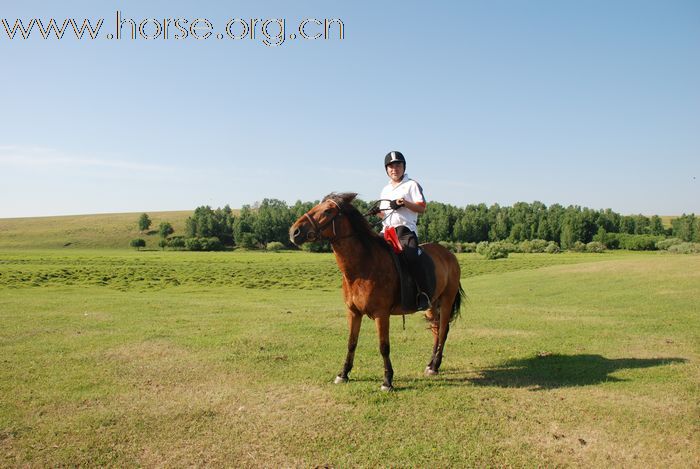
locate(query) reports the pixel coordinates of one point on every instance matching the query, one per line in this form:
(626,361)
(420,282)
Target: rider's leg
(416,260)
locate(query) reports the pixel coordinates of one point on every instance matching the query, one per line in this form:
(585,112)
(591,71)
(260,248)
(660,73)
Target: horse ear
(348,197)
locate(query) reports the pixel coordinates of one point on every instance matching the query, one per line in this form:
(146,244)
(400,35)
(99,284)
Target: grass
(140,359)
(142,271)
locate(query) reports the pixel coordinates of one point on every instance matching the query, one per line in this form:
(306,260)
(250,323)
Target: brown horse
(370,280)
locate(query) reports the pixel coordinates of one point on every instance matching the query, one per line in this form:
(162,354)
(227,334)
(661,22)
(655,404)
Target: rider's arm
(418,207)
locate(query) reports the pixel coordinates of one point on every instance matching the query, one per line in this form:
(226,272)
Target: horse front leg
(382,323)
(354,323)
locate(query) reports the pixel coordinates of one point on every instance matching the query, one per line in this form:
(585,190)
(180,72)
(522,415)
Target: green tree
(656,226)
(165,229)
(243,224)
(555,214)
(436,222)
(601,235)
(500,227)
(207,223)
(627,225)
(685,227)
(137,243)
(144,222)
(518,233)
(248,241)
(609,221)
(570,229)
(272,221)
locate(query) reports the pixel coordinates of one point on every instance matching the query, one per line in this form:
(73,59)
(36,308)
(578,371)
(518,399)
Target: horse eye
(327,211)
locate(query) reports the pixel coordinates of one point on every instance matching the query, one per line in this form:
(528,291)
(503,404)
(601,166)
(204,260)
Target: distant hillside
(667,219)
(112,230)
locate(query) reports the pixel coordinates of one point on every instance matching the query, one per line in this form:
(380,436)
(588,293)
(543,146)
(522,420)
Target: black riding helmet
(393,157)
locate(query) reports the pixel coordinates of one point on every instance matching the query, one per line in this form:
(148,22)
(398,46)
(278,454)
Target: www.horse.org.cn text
(271,32)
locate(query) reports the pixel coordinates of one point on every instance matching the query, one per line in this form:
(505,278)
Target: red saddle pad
(391,238)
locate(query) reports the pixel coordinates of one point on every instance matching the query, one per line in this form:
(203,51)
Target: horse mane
(364,231)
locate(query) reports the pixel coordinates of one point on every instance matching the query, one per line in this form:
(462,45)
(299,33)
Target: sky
(592,103)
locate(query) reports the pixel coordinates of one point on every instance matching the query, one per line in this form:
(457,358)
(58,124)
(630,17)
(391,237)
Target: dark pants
(418,261)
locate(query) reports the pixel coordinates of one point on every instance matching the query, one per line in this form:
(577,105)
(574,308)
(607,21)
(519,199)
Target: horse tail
(457,304)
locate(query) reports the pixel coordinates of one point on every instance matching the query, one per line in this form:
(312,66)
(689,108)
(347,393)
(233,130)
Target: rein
(374,208)
(315,234)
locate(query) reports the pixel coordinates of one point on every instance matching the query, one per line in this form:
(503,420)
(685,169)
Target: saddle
(409,288)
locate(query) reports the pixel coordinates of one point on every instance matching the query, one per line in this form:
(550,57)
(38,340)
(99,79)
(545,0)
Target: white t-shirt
(407,189)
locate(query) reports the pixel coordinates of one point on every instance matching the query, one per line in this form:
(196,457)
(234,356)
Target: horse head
(324,221)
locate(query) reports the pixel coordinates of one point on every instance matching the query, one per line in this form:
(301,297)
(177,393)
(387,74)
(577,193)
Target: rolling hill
(111,230)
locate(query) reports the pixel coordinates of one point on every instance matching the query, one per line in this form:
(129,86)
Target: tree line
(259,225)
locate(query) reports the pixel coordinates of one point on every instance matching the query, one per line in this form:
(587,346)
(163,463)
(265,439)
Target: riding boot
(423,271)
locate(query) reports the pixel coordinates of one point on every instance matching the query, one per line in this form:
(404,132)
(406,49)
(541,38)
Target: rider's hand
(396,204)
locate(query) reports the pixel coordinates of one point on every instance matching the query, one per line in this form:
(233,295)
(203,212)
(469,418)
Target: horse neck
(354,258)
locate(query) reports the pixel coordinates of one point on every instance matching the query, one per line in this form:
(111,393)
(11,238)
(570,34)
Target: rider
(404,202)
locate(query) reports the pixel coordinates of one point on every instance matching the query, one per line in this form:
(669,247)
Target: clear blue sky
(592,103)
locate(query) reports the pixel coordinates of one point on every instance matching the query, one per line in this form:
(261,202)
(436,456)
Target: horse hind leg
(440,328)
(435,328)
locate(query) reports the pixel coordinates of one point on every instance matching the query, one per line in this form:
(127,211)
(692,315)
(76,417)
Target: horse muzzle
(299,234)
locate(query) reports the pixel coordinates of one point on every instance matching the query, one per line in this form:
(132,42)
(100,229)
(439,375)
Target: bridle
(315,234)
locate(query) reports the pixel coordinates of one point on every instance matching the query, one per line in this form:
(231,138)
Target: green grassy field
(123,358)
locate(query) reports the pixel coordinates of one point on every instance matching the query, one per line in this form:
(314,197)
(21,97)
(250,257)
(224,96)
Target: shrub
(274,246)
(638,242)
(193,244)
(248,241)
(137,243)
(203,244)
(481,247)
(685,248)
(144,222)
(611,241)
(552,248)
(496,251)
(535,245)
(322,246)
(165,229)
(507,246)
(578,246)
(468,247)
(212,244)
(667,243)
(162,243)
(595,246)
(176,242)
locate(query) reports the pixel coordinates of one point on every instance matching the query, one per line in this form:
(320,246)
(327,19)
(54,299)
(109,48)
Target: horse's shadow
(552,371)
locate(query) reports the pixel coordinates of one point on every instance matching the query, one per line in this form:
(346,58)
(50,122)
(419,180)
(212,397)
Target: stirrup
(423,301)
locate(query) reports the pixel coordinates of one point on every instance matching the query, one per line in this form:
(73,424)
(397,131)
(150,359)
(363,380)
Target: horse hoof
(386,388)
(430,372)
(340,380)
